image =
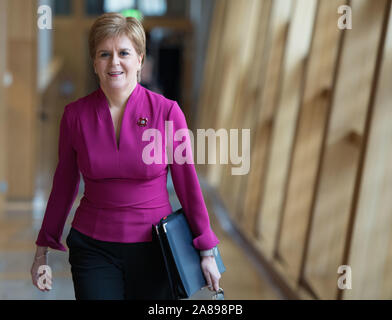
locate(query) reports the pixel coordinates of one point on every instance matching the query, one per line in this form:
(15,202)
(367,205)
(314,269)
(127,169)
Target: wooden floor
(20,224)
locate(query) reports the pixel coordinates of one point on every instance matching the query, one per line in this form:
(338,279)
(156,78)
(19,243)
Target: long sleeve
(187,187)
(64,189)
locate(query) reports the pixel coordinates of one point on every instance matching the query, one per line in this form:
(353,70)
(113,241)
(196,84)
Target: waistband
(127,193)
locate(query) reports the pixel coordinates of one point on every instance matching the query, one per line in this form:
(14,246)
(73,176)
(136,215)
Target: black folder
(182,259)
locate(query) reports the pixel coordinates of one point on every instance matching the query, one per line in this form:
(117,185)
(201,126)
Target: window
(94,7)
(147,7)
(152,7)
(118,5)
(62,7)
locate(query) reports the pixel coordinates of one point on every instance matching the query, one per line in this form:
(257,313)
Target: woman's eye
(106,54)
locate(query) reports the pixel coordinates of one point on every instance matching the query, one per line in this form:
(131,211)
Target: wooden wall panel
(248,88)
(371,248)
(213,73)
(297,49)
(261,142)
(343,145)
(22,99)
(309,136)
(224,92)
(3,131)
(70,35)
(210,74)
(225,77)
(22,17)
(249,107)
(215,42)
(248,189)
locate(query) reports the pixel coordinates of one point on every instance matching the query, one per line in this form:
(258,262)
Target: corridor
(289,104)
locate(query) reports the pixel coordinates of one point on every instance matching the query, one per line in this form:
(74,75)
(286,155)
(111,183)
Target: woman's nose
(115,59)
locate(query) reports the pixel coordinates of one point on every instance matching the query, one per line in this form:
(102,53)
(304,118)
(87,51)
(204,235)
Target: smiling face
(116,63)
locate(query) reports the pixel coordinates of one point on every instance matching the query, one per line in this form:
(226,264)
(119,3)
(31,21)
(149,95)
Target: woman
(111,251)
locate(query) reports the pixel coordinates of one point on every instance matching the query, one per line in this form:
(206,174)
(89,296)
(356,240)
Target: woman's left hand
(211,272)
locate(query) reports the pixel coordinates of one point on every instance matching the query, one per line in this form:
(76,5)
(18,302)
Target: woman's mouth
(115,74)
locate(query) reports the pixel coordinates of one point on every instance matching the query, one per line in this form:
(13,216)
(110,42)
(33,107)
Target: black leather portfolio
(182,259)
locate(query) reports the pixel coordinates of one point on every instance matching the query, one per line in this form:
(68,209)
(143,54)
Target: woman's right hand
(45,284)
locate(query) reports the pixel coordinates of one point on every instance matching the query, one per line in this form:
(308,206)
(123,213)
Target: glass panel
(152,7)
(94,7)
(62,7)
(177,8)
(118,5)
(147,7)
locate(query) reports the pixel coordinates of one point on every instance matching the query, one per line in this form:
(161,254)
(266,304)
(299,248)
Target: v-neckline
(120,121)
(117,144)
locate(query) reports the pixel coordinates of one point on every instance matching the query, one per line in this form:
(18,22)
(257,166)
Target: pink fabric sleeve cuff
(206,241)
(45,240)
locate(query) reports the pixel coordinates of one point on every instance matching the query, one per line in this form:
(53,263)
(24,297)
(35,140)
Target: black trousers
(116,271)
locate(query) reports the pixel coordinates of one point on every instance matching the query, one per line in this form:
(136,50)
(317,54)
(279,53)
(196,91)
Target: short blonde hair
(114,24)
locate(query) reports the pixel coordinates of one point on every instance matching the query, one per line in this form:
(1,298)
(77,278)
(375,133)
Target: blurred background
(312,81)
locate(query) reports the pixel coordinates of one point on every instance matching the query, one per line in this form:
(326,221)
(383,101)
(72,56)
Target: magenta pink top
(124,196)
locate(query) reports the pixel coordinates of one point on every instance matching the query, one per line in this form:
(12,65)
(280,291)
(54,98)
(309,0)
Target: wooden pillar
(284,122)
(21,98)
(3,131)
